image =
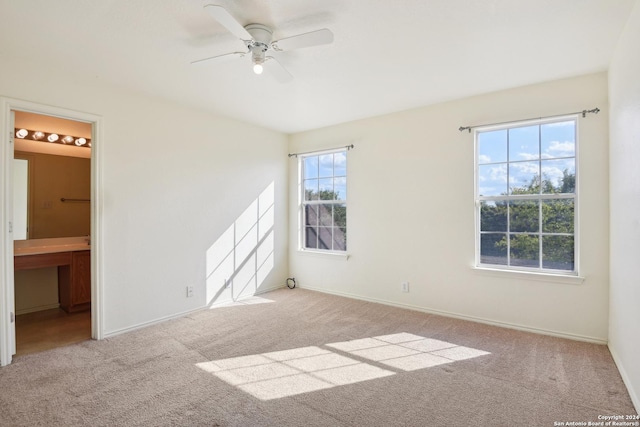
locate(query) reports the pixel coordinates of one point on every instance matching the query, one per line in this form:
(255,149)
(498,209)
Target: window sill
(338,256)
(528,275)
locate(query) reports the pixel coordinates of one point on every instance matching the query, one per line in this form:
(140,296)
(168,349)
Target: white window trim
(544,274)
(322,253)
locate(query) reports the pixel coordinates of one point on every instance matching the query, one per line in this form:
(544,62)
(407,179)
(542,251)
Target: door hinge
(12,317)
(10,227)
(10,137)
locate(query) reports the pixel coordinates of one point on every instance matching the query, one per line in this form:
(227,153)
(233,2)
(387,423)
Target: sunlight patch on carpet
(279,374)
(244,301)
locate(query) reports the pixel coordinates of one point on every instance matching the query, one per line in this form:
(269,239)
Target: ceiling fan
(257,39)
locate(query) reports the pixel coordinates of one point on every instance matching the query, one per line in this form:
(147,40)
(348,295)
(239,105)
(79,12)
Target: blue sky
(512,158)
(327,172)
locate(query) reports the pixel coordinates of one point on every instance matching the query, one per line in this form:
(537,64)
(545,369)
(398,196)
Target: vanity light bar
(37,135)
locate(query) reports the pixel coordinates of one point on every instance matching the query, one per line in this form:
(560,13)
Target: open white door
(7,302)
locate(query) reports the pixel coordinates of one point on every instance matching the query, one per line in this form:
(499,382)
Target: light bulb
(37,135)
(53,137)
(67,139)
(80,142)
(22,133)
(257,68)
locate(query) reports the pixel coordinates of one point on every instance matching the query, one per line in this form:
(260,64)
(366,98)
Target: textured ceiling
(388,55)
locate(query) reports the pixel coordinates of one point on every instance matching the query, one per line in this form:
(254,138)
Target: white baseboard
(35,309)
(625,378)
(574,337)
(175,316)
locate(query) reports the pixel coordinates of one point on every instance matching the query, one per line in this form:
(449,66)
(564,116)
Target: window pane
(311,215)
(325,192)
(311,189)
(558,139)
(340,215)
(557,216)
(340,238)
(340,188)
(524,143)
(493,216)
(492,180)
(559,176)
(493,248)
(492,146)
(340,164)
(525,250)
(324,238)
(311,167)
(557,252)
(524,216)
(311,237)
(524,178)
(326,215)
(326,189)
(326,165)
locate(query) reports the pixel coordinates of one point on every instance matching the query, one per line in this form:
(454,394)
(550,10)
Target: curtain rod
(74,200)
(348,147)
(583,112)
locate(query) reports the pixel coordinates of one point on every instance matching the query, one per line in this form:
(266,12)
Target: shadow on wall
(242,258)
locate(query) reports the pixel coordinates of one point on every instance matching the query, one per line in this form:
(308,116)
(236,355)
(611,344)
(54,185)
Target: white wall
(624,95)
(411,213)
(174,179)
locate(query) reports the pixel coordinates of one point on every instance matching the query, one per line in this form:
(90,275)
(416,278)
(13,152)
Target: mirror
(20,187)
(53,184)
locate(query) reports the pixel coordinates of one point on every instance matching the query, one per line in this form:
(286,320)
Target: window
(324,201)
(526,196)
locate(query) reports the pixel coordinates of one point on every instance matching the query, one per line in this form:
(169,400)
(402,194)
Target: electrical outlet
(189,291)
(405,286)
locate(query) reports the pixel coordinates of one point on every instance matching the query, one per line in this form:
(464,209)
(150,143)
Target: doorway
(56,187)
(50,296)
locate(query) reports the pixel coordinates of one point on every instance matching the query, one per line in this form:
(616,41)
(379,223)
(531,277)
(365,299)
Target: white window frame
(302,203)
(538,197)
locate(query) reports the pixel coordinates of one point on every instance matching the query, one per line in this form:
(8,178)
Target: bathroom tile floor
(44,330)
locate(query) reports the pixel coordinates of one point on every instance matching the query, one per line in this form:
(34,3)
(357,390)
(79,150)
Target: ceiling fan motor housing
(260,44)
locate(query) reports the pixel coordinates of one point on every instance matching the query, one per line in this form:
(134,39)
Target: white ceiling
(388,55)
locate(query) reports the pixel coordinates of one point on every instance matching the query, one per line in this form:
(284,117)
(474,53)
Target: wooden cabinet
(74,283)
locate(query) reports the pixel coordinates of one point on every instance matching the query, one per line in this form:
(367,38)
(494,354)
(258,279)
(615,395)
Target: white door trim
(7,328)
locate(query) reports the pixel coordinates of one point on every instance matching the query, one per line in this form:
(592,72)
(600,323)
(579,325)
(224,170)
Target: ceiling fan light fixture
(258,39)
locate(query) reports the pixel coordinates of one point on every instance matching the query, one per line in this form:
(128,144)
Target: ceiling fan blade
(277,70)
(314,38)
(229,22)
(220,58)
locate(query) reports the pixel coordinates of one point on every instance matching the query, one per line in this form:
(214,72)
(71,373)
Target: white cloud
(560,149)
(527,156)
(483,158)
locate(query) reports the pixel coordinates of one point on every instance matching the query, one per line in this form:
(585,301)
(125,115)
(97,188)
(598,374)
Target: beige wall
(36,289)
(411,213)
(624,92)
(172,180)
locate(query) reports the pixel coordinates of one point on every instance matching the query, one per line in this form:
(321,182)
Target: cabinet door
(81,278)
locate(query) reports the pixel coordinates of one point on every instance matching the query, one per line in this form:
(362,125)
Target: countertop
(49,246)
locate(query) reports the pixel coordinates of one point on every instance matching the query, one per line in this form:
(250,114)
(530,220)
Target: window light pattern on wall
(46,137)
(285,373)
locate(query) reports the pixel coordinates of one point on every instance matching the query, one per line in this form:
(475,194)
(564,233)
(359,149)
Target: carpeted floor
(302,358)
